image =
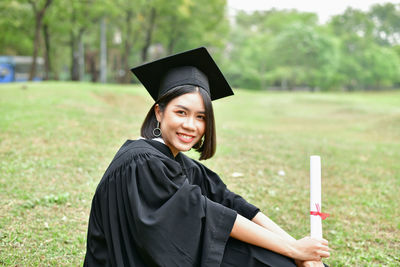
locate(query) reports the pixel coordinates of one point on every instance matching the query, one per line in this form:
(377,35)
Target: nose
(189,123)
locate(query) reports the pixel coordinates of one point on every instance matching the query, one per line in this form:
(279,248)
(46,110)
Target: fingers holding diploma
(311,249)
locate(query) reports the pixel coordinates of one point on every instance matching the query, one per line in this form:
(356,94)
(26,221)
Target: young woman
(156,207)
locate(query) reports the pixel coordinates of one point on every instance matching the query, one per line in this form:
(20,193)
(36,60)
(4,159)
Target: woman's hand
(310,249)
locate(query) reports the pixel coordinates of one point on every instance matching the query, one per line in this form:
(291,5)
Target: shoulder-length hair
(207,145)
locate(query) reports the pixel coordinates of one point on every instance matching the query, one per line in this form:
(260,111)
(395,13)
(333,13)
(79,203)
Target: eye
(180,112)
(201,117)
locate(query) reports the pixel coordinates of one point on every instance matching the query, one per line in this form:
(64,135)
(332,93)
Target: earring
(202,141)
(157,130)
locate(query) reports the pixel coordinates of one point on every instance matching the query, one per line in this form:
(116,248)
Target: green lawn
(57,139)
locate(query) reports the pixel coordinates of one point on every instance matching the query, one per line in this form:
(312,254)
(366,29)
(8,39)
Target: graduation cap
(193,67)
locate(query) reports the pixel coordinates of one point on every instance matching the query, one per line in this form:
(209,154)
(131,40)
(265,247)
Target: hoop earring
(202,141)
(157,130)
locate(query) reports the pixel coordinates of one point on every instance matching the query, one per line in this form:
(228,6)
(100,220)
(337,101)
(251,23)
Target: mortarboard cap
(195,67)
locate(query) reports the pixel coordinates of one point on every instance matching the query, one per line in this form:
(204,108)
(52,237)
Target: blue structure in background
(6,73)
(16,69)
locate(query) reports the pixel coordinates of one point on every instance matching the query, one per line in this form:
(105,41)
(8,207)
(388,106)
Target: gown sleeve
(217,191)
(145,213)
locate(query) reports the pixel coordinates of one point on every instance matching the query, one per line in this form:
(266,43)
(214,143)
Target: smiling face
(182,122)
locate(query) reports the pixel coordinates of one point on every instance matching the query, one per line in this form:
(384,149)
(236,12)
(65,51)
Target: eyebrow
(187,109)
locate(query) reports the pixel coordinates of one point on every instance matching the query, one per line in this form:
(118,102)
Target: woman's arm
(303,249)
(267,223)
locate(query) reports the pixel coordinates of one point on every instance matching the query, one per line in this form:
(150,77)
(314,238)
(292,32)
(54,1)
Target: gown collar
(159,144)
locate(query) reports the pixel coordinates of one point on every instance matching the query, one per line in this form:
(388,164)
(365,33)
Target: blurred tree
(205,24)
(351,23)
(169,27)
(274,21)
(128,41)
(185,24)
(305,57)
(54,35)
(69,27)
(80,24)
(15,24)
(386,18)
(47,60)
(382,67)
(179,14)
(151,15)
(363,64)
(129,24)
(39,9)
(281,49)
(261,43)
(82,17)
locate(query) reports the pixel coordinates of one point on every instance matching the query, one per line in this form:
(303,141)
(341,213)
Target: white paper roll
(315,196)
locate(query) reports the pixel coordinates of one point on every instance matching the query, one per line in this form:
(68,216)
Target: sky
(324,9)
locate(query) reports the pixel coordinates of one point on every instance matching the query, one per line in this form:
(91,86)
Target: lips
(186,138)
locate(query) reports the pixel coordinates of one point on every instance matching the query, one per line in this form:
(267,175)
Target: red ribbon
(319,213)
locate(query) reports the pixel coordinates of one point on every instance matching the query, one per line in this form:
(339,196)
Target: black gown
(151,209)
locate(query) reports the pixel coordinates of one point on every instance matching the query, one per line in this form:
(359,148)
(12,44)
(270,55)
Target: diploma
(316,216)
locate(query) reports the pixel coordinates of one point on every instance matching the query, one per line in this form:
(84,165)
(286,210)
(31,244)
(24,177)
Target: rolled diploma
(315,195)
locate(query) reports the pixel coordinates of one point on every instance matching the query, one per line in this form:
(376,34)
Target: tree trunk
(81,58)
(103,51)
(47,61)
(75,42)
(91,62)
(38,22)
(173,36)
(126,78)
(284,84)
(149,34)
(74,57)
(38,25)
(262,75)
(171,45)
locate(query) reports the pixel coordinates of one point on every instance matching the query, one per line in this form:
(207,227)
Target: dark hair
(207,145)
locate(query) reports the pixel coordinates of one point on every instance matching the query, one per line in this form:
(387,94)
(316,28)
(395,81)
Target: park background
(302,87)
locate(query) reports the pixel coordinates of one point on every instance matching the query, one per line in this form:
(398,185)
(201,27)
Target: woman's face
(182,122)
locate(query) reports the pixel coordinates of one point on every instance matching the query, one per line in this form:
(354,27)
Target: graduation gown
(151,209)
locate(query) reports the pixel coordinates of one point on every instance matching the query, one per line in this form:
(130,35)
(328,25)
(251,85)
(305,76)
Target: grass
(57,139)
